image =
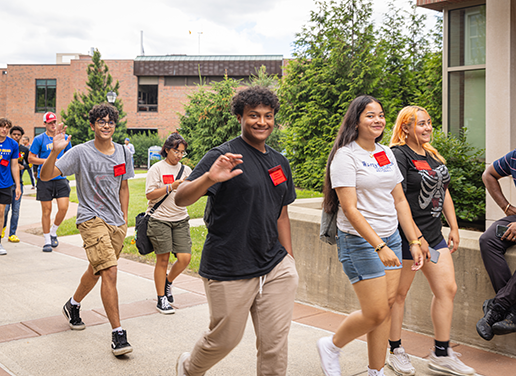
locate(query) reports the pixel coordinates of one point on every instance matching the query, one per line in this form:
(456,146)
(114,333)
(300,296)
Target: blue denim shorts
(359,259)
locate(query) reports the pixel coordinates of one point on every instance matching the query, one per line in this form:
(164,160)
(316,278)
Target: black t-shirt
(24,161)
(242,240)
(425,182)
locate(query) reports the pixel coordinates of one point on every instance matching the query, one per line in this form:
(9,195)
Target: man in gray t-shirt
(101,170)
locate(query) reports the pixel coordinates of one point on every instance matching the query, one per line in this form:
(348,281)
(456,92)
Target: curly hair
(253,97)
(100,111)
(172,142)
(17,128)
(4,122)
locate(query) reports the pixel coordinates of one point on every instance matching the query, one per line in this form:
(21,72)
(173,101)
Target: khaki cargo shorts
(102,242)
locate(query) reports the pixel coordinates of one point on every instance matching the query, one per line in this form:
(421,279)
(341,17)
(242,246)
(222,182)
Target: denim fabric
(359,259)
(16,211)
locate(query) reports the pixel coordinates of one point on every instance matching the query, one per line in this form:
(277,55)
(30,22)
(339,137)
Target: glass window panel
(467,105)
(467,41)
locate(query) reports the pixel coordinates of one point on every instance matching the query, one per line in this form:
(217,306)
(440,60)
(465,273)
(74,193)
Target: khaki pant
(230,303)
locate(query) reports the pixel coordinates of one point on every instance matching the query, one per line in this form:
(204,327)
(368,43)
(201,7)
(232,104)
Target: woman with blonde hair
(363,185)
(425,184)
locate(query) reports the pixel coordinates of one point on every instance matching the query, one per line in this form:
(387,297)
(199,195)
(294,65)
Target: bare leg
(62,208)
(441,277)
(109,295)
(160,272)
(46,210)
(372,294)
(183,259)
(88,282)
(377,338)
(406,278)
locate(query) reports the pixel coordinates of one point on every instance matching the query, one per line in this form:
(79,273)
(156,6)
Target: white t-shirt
(353,166)
(159,174)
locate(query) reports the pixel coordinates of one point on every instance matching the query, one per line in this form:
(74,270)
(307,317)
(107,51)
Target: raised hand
(60,142)
(222,168)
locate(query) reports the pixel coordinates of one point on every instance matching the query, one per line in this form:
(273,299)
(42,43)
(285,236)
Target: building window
(148,94)
(466,74)
(39,130)
(45,95)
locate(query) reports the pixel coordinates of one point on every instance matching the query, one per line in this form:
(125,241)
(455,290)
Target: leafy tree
(335,61)
(208,121)
(466,168)
(142,142)
(98,85)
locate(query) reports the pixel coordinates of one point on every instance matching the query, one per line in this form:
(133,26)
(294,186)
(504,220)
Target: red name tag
(277,175)
(4,162)
(168,179)
(421,165)
(119,169)
(381,158)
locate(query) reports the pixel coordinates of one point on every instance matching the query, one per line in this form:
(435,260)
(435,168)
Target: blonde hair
(408,116)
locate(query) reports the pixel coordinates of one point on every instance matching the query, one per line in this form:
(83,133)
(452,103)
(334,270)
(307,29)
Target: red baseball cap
(49,116)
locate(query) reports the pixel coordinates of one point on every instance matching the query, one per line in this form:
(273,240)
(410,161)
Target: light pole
(111,97)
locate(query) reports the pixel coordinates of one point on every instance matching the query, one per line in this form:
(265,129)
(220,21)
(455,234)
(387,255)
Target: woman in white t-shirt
(363,183)
(168,229)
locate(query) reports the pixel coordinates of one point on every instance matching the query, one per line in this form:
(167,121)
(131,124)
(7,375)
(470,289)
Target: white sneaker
(329,354)
(399,361)
(2,250)
(450,364)
(180,365)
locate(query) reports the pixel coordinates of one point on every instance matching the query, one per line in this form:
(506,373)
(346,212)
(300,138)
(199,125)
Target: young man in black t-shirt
(247,263)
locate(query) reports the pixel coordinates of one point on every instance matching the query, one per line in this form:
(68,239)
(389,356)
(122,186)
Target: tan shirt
(158,173)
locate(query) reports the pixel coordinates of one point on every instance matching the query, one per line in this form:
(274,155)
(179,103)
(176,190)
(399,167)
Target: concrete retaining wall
(322,281)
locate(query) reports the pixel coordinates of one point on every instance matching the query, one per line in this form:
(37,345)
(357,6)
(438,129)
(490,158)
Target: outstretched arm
(221,170)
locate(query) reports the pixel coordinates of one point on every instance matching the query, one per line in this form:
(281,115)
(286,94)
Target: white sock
(53,230)
(333,347)
(72,300)
(47,238)
(119,329)
(373,372)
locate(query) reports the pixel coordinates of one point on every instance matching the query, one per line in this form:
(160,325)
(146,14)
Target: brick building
(153,89)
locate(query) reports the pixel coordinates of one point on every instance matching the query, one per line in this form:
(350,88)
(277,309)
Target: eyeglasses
(102,123)
(179,152)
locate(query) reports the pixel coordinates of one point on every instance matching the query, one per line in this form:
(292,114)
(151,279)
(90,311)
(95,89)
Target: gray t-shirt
(98,189)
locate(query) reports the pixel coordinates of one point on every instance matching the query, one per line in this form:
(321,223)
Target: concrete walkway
(35,338)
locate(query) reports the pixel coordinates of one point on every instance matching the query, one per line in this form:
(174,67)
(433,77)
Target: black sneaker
(168,291)
(119,343)
(53,241)
(47,248)
(492,314)
(72,314)
(164,306)
(507,325)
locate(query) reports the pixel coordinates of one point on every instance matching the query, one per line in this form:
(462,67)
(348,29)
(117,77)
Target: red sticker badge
(119,169)
(277,175)
(421,165)
(4,162)
(381,158)
(168,179)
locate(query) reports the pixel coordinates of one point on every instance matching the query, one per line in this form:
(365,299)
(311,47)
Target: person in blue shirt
(9,171)
(499,312)
(57,188)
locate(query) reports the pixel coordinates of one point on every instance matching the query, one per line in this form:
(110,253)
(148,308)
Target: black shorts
(48,190)
(6,196)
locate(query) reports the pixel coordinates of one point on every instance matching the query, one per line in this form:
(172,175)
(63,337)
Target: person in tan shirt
(168,228)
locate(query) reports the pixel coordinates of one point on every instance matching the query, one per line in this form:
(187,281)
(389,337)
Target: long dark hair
(348,132)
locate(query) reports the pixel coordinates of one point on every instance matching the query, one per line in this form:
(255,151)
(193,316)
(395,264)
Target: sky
(32,32)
